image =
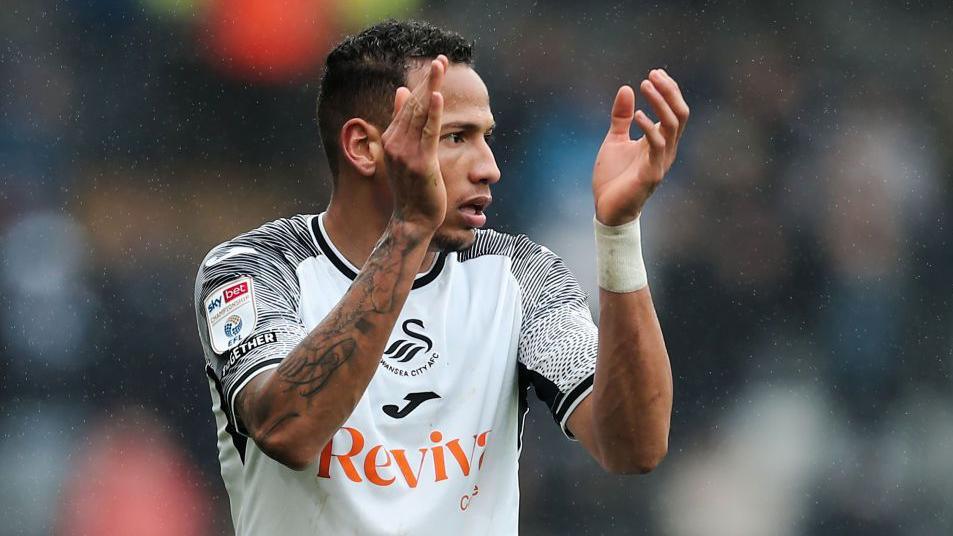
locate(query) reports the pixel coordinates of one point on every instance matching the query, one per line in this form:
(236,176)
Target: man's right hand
(291,412)
(410,150)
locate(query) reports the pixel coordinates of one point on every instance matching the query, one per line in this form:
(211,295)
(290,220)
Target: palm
(624,176)
(627,171)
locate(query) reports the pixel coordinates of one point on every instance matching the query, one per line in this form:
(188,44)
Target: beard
(457,240)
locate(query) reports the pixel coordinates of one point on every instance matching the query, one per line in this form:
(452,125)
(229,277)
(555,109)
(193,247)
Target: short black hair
(362,73)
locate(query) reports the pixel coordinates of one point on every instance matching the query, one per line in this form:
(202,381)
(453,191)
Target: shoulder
(280,243)
(285,235)
(519,247)
(530,263)
(287,238)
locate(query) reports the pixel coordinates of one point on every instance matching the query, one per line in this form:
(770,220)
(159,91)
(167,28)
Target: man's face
(466,161)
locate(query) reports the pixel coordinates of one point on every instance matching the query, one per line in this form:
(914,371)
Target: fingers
(438,68)
(623,110)
(400,98)
(423,95)
(411,108)
(432,81)
(652,133)
(669,122)
(669,89)
(399,121)
(430,134)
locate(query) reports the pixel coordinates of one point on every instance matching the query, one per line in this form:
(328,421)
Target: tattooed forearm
(385,269)
(376,291)
(307,372)
(293,411)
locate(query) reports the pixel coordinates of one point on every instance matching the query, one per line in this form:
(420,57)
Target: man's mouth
(472,210)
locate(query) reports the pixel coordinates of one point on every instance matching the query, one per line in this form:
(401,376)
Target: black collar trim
(349,270)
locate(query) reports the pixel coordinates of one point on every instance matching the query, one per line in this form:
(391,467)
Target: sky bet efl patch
(231,315)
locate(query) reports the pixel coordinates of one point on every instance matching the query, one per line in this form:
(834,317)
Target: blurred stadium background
(797,250)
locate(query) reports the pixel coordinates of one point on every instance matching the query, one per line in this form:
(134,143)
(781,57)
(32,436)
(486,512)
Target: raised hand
(628,171)
(410,150)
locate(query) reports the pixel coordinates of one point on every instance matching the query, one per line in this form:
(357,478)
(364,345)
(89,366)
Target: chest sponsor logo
(413,401)
(231,314)
(348,456)
(410,354)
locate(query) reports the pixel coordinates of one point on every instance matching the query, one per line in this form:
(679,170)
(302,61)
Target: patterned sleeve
(246,306)
(558,340)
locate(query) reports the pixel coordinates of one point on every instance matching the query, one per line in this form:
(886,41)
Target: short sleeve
(246,307)
(558,341)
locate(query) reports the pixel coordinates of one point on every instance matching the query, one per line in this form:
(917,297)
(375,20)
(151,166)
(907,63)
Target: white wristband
(619,263)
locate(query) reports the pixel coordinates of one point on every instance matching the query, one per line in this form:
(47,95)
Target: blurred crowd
(796,251)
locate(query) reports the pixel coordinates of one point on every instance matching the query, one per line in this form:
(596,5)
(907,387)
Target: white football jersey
(433,445)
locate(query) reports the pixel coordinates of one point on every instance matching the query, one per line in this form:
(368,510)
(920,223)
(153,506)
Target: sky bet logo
(236,291)
(215,304)
(229,294)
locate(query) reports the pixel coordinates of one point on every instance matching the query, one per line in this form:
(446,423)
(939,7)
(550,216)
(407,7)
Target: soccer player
(369,365)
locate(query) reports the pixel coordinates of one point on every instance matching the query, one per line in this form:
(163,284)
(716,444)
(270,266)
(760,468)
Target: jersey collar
(323,241)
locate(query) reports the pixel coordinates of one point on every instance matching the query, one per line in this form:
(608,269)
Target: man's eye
(456,137)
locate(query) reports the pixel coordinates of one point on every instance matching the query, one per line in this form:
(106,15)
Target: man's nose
(486,170)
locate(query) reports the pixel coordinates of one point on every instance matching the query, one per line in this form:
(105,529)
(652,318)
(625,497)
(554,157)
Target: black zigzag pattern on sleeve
(269,255)
(558,340)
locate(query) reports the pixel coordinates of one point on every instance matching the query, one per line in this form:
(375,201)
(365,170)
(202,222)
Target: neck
(355,225)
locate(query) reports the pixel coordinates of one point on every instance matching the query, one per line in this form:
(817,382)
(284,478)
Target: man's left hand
(628,171)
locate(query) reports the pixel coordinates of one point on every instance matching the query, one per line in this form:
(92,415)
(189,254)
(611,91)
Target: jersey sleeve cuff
(568,404)
(247,376)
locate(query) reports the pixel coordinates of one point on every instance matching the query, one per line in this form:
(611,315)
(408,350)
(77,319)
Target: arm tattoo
(312,363)
(309,371)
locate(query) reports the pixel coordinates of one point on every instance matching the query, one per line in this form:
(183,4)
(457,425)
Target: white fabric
(620,267)
(480,324)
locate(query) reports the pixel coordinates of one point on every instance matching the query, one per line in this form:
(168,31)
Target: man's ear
(361,145)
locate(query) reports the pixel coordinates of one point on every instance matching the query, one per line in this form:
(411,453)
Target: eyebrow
(468,126)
